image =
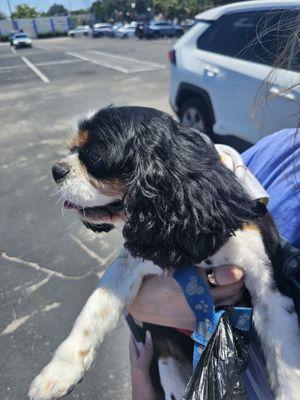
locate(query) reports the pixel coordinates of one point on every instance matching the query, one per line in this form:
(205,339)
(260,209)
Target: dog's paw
(56,380)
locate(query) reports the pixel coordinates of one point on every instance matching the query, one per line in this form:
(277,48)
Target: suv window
(257,36)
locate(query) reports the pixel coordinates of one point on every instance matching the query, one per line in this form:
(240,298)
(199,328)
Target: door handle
(210,71)
(276,91)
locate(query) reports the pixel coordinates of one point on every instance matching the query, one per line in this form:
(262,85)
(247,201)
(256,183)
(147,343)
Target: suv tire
(193,112)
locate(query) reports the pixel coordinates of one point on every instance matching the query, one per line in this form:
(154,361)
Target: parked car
(133,24)
(80,30)
(21,40)
(160,29)
(187,24)
(100,30)
(125,32)
(11,36)
(117,25)
(221,71)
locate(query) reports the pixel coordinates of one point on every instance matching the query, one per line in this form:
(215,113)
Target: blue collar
(197,295)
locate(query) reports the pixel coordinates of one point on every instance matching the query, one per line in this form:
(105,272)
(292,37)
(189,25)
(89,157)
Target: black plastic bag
(218,373)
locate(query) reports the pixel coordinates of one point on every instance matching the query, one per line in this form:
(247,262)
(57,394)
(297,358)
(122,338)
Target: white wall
(35,25)
(26,25)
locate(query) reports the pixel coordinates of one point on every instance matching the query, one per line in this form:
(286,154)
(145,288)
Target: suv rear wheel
(193,113)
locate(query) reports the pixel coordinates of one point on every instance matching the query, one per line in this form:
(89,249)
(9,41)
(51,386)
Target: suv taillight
(172,56)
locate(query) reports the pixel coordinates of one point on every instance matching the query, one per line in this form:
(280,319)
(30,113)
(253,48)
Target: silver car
(21,40)
(125,32)
(80,30)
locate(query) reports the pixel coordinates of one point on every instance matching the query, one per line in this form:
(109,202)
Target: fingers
(228,274)
(133,351)
(141,354)
(229,294)
(230,287)
(140,350)
(147,352)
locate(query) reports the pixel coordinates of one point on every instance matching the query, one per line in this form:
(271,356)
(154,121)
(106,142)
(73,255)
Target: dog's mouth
(100,213)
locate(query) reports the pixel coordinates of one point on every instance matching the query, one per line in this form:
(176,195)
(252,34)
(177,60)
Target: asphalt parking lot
(49,263)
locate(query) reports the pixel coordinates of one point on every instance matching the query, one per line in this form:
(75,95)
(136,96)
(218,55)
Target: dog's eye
(92,159)
(94,155)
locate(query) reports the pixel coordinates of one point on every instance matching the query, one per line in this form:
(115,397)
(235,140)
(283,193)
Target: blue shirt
(275,161)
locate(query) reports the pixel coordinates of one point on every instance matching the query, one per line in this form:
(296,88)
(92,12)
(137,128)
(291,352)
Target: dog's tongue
(69,205)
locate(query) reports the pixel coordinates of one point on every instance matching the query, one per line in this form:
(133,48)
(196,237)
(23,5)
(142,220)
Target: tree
(105,10)
(57,9)
(109,9)
(99,10)
(24,11)
(80,11)
(2,15)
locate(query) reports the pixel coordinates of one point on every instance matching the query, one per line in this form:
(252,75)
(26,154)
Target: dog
(177,204)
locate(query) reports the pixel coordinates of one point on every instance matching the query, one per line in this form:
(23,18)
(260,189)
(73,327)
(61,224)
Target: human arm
(168,306)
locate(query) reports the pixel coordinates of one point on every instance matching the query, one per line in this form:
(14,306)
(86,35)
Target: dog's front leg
(117,290)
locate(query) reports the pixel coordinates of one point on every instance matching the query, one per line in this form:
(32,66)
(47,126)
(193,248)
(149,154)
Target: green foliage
(112,9)
(182,9)
(80,11)
(24,11)
(57,9)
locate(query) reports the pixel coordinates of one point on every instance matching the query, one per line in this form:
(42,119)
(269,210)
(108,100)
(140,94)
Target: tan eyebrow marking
(109,187)
(250,227)
(78,140)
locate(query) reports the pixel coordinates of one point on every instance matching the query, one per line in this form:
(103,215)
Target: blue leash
(198,297)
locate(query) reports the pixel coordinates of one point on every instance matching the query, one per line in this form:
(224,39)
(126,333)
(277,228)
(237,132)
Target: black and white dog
(177,204)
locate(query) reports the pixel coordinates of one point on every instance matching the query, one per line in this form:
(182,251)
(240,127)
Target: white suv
(222,75)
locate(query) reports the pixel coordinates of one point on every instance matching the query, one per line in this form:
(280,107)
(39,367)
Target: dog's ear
(182,203)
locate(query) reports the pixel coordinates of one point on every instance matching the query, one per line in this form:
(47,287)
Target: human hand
(140,356)
(228,284)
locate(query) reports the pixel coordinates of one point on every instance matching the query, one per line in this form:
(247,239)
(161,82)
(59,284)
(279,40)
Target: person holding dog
(275,161)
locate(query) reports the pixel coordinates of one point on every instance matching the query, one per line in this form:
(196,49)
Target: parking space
(18,74)
(79,57)
(49,263)
(9,60)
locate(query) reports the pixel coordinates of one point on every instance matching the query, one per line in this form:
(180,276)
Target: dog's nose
(60,171)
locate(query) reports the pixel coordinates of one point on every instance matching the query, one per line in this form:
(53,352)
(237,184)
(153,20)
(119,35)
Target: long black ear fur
(182,204)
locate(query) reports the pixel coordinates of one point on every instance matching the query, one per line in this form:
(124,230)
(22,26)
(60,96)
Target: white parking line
(13,50)
(97,62)
(127,65)
(8,68)
(129,59)
(41,64)
(36,70)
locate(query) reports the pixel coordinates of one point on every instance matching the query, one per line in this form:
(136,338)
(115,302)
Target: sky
(43,5)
